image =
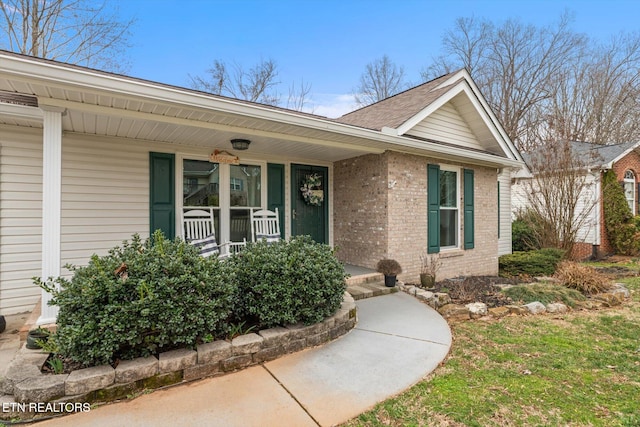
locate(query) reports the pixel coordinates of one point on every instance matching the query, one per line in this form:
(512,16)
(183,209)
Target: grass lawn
(581,368)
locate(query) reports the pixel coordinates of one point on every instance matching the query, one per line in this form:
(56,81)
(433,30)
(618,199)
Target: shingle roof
(603,154)
(397,109)
(597,155)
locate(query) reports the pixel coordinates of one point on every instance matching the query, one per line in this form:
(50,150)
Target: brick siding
(381,211)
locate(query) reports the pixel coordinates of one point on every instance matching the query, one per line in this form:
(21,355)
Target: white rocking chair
(265,225)
(199,230)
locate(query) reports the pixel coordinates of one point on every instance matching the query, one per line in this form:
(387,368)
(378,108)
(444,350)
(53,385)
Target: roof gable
(448,109)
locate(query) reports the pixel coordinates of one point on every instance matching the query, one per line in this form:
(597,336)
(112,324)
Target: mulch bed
(486,289)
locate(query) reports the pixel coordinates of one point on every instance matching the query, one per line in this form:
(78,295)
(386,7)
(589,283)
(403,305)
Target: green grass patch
(581,368)
(545,293)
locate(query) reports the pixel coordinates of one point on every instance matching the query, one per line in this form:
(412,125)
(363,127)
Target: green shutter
(275,191)
(433,209)
(162,205)
(468,209)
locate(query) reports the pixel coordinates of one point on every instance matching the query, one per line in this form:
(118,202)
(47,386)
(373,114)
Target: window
(630,190)
(229,191)
(443,200)
(448,208)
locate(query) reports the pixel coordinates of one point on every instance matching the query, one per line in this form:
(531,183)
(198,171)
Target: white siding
(105,195)
(20,218)
(586,210)
(446,125)
(504,238)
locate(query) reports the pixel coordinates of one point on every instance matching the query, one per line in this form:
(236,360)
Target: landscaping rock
(608,299)
(477,309)
(17,372)
(270,353)
(535,307)
(133,370)
(517,310)
(454,312)
(426,296)
(89,379)
(620,289)
(214,352)
(201,371)
(441,299)
(498,312)
(246,344)
(557,307)
(176,360)
(40,389)
(590,304)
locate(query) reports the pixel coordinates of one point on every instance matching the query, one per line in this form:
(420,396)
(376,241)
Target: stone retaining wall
(24,383)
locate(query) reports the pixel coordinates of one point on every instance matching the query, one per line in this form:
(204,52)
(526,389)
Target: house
(624,160)
(88,158)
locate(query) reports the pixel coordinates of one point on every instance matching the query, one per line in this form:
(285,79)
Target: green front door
(310,215)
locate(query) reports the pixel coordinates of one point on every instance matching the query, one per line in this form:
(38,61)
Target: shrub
(141,298)
(527,231)
(541,262)
(619,222)
(582,278)
(287,282)
(545,293)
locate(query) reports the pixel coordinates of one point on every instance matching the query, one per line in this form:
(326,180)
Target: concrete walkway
(396,342)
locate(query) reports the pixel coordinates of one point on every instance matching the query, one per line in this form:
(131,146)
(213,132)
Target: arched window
(630,190)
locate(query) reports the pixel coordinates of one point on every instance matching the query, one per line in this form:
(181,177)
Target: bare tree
(512,64)
(75,31)
(298,96)
(598,99)
(256,84)
(381,79)
(560,196)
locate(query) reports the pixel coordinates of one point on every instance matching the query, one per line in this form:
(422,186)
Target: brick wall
(381,211)
(360,209)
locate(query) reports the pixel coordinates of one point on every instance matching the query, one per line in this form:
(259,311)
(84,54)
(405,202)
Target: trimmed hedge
(142,298)
(152,296)
(287,282)
(542,262)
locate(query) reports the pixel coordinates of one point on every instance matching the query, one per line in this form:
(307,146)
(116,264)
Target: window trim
(225,192)
(457,170)
(630,180)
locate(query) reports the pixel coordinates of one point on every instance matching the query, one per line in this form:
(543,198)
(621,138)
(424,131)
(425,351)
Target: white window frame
(225,192)
(457,170)
(630,179)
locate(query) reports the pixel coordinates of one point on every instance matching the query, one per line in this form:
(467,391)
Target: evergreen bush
(287,282)
(140,299)
(541,262)
(619,222)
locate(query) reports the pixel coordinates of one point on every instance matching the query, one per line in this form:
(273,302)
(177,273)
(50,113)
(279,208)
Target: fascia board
(90,81)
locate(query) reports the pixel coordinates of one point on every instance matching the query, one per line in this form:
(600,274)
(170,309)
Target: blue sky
(328,43)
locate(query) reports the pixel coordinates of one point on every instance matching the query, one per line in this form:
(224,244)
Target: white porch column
(51,205)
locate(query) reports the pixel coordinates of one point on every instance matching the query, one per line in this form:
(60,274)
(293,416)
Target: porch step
(361,287)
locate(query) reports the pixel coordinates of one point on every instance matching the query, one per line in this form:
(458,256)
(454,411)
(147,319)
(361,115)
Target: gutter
(66,77)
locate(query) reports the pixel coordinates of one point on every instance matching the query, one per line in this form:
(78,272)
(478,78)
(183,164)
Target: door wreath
(311,190)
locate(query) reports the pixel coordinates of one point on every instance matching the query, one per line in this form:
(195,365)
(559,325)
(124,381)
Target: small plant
(389,267)
(582,278)
(49,344)
(56,365)
(235,330)
(430,264)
